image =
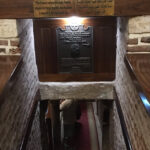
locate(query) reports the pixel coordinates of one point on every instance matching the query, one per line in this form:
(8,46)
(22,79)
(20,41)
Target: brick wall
(139,34)
(18,95)
(9,41)
(136,117)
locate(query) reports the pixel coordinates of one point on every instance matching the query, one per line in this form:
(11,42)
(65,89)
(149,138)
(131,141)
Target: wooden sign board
(65,8)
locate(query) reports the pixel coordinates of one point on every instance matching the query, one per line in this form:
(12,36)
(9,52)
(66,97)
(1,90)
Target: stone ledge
(139,24)
(76,90)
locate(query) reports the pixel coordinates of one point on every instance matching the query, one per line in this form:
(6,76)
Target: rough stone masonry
(9,40)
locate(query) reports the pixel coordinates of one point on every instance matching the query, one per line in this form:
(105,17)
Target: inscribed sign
(64,8)
(75,48)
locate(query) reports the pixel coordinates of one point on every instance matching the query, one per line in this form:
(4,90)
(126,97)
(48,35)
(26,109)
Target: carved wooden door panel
(85,52)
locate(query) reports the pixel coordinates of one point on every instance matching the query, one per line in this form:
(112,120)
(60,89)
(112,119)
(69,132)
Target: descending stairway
(86,138)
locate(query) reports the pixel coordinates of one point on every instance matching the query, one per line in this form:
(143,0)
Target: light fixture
(74,20)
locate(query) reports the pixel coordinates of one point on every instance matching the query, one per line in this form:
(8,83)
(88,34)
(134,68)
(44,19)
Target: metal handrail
(122,122)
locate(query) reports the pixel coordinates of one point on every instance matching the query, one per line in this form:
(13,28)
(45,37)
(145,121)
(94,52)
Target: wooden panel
(16,9)
(77,77)
(141,68)
(132,7)
(7,66)
(138,65)
(104,49)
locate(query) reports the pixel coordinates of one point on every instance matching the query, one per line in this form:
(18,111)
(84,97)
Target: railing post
(56,126)
(43,127)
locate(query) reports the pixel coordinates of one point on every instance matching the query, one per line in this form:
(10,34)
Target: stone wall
(18,95)
(34,141)
(139,34)
(9,41)
(136,117)
(116,135)
(110,132)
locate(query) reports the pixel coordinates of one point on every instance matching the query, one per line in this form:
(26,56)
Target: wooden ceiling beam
(16,9)
(24,8)
(132,7)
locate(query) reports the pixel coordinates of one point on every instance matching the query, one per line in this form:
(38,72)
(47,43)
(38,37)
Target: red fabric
(82,138)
